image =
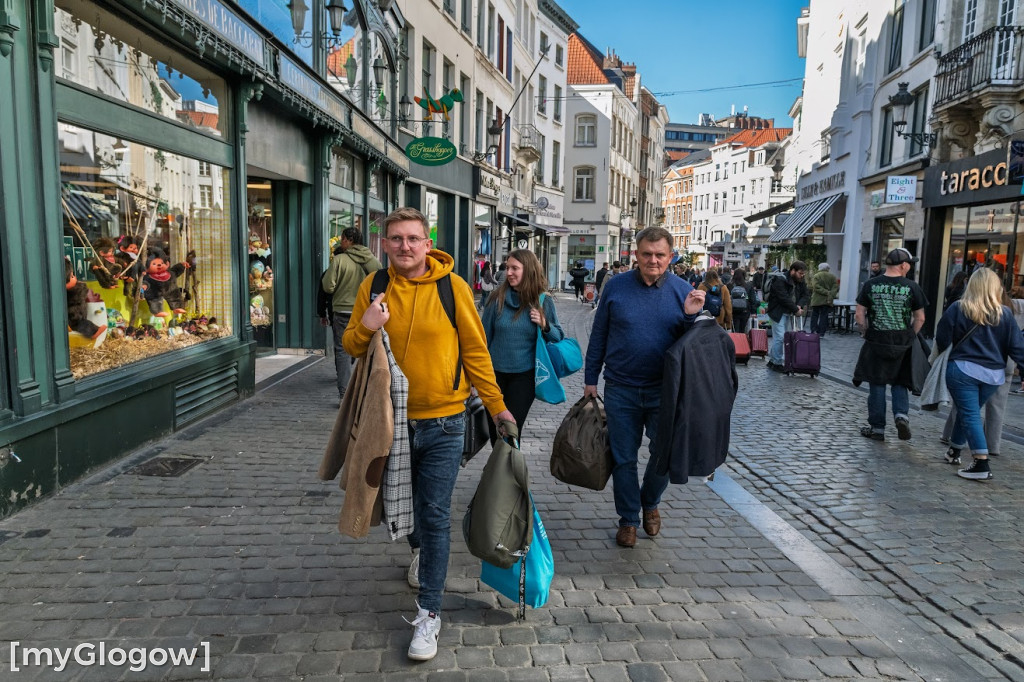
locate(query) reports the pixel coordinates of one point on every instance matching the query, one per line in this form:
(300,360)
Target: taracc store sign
(977,179)
(431,151)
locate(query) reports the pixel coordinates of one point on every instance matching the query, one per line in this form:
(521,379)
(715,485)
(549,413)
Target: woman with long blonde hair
(983,334)
(511,317)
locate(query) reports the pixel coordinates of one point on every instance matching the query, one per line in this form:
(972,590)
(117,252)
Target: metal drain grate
(166,467)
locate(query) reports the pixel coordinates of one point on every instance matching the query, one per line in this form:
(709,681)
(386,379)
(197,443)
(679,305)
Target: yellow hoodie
(426,345)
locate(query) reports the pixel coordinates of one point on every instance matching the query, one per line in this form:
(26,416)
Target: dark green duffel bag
(498,526)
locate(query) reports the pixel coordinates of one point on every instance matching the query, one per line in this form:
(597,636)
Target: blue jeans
(776,352)
(969,395)
(436,455)
(342,360)
(630,410)
(876,404)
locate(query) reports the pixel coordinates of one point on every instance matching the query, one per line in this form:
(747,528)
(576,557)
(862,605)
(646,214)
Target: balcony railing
(529,143)
(990,58)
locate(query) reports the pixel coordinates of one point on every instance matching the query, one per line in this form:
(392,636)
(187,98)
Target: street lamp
(405,108)
(336,13)
(493,140)
(900,101)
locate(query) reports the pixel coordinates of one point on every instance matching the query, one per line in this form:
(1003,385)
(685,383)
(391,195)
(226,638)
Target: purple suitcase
(803,353)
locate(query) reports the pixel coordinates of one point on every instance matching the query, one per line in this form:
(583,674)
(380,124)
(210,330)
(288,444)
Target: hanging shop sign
(900,189)
(431,151)
(228,25)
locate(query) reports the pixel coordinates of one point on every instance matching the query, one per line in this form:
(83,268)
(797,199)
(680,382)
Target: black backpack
(713,300)
(739,297)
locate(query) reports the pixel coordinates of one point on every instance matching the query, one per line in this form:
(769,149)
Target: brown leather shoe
(626,537)
(652,522)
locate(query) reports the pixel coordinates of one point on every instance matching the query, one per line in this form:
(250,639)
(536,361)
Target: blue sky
(688,45)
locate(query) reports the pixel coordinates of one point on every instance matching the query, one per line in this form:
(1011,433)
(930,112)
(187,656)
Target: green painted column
(50,205)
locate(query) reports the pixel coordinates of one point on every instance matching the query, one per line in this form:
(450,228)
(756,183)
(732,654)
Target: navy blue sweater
(989,345)
(634,325)
(512,341)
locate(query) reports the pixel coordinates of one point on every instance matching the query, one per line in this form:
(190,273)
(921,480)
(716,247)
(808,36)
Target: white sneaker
(426,628)
(413,576)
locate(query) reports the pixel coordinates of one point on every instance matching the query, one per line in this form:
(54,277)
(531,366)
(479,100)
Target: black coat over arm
(697,395)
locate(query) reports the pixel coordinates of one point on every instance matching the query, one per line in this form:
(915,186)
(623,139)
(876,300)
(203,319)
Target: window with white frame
(926,32)
(895,57)
(583,177)
(918,121)
(556,154)
(586,130)
(970,19)
(558,103)
(542,95)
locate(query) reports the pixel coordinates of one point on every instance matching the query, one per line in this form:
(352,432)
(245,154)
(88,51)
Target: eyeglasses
(411,241)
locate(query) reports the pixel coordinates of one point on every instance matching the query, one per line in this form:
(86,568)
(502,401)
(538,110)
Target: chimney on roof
(629,69)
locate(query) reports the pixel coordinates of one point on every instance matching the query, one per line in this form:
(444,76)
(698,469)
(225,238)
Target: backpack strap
(381,279)
(447,296)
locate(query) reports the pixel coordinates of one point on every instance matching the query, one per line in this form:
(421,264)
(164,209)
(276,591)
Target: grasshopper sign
(431,151)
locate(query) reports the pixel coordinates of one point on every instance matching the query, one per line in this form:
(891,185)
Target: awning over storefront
(85,205)
(769,212)
(525,222)
(803,219)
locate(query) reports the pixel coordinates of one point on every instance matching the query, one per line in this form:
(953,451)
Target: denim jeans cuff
(901,416)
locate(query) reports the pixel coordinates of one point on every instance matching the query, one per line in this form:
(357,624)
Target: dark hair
(739,277)
(406,213)
(616,264)
(798,265)
(531,286)
(353,235)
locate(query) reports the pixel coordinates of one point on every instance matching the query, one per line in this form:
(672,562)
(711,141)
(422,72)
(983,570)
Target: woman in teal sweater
(512,335)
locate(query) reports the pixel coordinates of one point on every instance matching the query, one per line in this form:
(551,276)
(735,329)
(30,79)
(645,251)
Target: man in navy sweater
(641,314)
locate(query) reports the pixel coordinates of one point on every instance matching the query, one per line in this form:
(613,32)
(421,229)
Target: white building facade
(602,158)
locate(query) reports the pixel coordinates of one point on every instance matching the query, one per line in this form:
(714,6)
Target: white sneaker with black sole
(425,629)
(978,471)
(413,576)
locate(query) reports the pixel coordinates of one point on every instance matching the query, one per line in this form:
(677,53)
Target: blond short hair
(403,214)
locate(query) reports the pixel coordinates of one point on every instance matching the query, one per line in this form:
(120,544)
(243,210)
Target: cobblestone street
(815,554)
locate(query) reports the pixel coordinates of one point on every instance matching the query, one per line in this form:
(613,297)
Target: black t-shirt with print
(891,302)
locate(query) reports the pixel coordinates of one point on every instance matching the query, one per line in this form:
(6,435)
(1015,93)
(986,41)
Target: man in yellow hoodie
(426,347)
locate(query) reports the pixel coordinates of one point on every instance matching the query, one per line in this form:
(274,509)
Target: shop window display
(261,272)
(104,53)
(147,271)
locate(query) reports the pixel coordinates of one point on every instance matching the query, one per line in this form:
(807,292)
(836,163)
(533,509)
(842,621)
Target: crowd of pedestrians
(488,346)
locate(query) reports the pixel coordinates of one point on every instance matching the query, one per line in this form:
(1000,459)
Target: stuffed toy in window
(78,311)
(159,284)
(105,266)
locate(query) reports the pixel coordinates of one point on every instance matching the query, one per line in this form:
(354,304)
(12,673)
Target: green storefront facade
(171,175)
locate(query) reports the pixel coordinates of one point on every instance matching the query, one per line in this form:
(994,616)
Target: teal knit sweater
(513,341)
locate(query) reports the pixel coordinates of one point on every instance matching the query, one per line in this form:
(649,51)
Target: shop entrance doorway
(259,194)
